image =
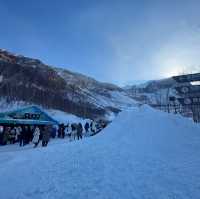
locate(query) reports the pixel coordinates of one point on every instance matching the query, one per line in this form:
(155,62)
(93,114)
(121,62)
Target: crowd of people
(26,134)
(78,130)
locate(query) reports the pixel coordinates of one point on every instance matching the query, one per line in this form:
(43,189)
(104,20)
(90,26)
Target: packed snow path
(143,154)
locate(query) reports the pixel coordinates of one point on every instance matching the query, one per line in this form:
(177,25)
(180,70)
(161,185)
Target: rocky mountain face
(31,81)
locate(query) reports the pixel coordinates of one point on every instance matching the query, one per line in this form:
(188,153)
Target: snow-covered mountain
(143,154)
(33,82)
(155,92)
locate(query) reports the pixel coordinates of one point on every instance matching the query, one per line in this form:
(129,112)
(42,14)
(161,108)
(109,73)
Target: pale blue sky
(114,41)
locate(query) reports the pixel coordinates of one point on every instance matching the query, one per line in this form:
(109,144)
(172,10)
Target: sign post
(189,94)
(187,78)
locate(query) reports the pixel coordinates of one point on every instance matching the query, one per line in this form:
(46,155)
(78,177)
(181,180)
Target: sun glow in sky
(173,71)
(171,67)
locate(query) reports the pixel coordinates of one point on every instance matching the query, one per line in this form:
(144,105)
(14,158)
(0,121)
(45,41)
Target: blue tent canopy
(31,115)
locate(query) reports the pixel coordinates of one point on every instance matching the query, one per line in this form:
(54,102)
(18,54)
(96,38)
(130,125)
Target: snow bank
(143,154)
(63,117)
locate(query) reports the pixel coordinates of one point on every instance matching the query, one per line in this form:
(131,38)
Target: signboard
(28,115)
(189,89)
(187,78)
(32,116)
(189,101)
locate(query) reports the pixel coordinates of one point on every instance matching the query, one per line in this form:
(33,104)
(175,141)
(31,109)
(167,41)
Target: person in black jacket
(62,131)
(79,131)
(87,126)
(45,136)
(29,134)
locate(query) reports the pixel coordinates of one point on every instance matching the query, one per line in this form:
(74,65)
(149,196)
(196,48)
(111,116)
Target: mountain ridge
(30,80)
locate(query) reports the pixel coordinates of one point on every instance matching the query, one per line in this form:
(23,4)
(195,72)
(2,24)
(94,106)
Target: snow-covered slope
(102,95)
(63,117)
(30,80)
(143,154)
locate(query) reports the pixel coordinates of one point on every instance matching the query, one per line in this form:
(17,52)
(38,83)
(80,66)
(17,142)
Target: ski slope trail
(143,154)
